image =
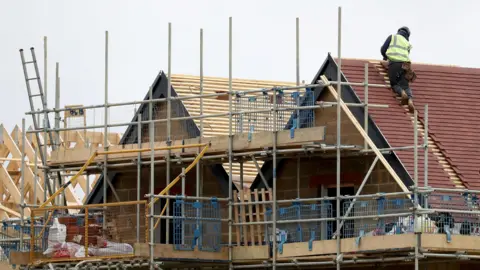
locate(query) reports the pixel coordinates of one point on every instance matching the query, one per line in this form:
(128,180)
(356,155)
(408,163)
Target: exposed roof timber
(10,163)
(159,90)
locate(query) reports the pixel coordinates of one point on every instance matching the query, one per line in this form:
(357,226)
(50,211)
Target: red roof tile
(452,94)
(396,124)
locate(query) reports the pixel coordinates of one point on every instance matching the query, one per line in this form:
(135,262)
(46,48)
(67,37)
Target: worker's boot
(404,97)
(411,108)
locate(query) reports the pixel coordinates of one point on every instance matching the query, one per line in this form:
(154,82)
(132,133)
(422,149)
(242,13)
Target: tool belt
(409,72)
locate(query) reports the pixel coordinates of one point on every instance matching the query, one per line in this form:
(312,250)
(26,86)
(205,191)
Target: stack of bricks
(76,229)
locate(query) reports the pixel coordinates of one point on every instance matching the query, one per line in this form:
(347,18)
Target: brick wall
(126,188)
(179,129)
(327,117)
(316,171)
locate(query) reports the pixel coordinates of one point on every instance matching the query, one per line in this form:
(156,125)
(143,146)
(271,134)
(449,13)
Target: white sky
(263,36)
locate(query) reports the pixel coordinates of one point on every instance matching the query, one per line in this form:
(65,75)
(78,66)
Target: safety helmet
(406,29)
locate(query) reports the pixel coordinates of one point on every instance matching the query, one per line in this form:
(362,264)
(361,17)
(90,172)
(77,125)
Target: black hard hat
(406,29)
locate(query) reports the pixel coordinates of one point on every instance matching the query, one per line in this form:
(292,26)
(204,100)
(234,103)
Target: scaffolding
(258,220)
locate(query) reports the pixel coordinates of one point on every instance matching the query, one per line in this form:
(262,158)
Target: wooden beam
(384,243)
(29,151)
(167,251)
(438,242)
(80,143)
(250,253)
(369,141)
(367,244)
(29,176)
(9,211)
(241,142)
(12,188)
(70,195)
(71,136)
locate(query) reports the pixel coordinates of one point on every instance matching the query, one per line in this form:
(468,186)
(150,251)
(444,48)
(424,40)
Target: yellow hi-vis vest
(399,49)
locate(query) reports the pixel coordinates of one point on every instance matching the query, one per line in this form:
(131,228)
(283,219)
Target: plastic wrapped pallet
(56,236)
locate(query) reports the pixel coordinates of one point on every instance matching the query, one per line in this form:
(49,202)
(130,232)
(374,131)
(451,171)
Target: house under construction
(223,173)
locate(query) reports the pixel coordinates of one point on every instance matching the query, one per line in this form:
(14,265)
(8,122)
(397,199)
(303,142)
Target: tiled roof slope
(451,127)
(186,85)
(452,94)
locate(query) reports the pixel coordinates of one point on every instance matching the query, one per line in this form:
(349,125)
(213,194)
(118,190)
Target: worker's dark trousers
(396,74)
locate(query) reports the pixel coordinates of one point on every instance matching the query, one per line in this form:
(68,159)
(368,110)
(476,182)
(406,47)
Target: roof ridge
(432,143)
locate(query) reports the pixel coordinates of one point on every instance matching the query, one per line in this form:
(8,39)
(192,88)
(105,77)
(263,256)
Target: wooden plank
(385,243)
(264,207)
(92,137)
(250,215)
(243,219)
(9,211)
(259,141)
(257,214)
(23,257)
(369,141)
(12,188)
(438,242)
(235,209)
(367,244)
(246,253)
(167,251)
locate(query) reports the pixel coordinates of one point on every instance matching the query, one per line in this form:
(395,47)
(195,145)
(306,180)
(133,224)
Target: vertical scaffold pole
(298,97)
(415,189)
(274,179)
(45,86)
(425,160)
(45,67)
(22,187)
(169,127)
(298,50)
(152,174)
(365,120)
(60,181)
(139,170)
(35,177)
(183,205)
(57,101)
(105,130)
(201,82)
(339,114)
(230,145)
(198,167)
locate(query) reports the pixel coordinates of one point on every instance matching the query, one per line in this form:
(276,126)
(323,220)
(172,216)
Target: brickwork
(126,189)
(179,129)
(316,171)
(327,117)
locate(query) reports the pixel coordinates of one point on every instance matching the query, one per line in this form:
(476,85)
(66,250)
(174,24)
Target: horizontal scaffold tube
(322,105)
(95,154)
(167,188)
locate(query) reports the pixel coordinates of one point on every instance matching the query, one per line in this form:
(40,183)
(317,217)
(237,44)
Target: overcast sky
(263,37)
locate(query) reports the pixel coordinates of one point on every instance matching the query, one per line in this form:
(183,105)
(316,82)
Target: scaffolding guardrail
(102,231)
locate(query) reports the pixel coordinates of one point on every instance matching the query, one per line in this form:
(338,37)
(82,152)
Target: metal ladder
(31,97)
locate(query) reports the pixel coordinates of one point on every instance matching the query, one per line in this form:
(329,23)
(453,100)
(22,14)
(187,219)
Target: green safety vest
(399,49)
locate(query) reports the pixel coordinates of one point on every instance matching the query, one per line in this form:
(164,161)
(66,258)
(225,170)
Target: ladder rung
(35,95)
(31,79)
(29,62)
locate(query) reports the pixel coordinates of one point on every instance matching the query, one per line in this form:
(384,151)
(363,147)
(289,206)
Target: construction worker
(396,50)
